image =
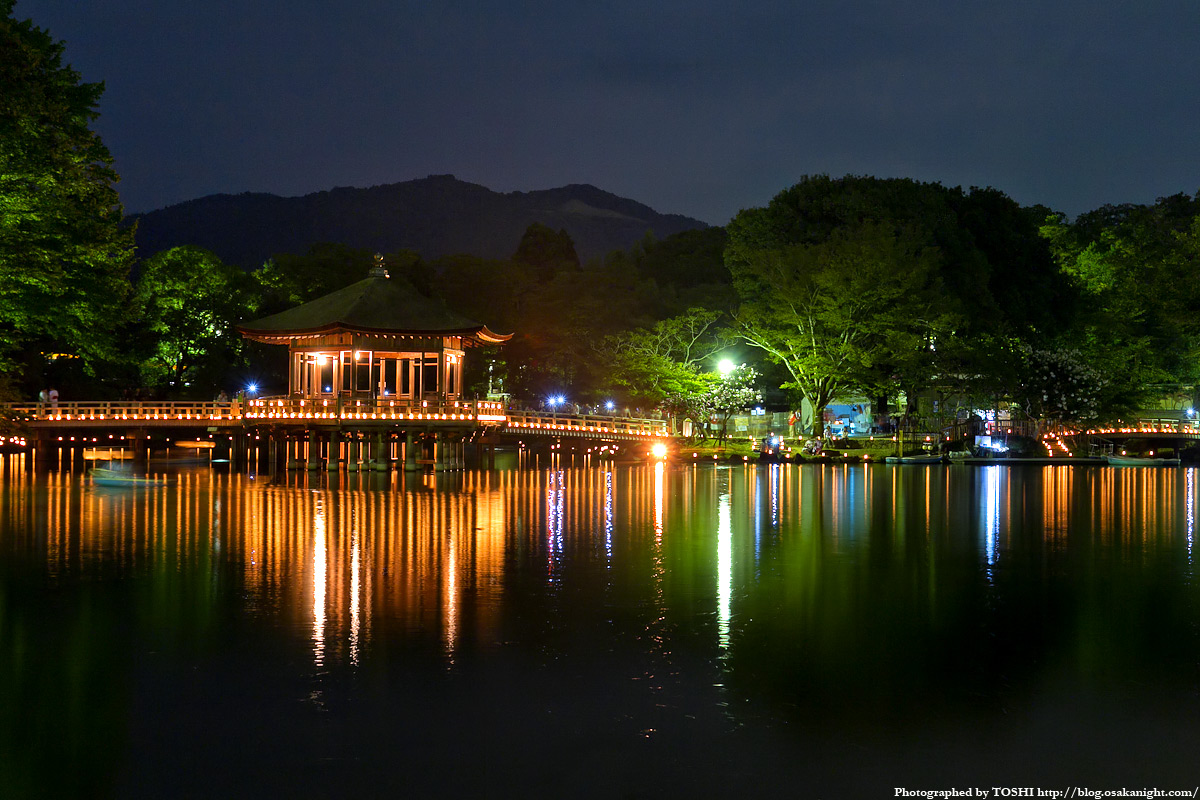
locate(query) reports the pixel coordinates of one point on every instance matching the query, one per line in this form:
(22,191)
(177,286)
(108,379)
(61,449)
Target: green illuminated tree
(836,312)
(64,257)
(1138,268)
(663,364)
(189,301)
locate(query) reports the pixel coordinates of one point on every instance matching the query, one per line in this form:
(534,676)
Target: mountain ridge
(436,216)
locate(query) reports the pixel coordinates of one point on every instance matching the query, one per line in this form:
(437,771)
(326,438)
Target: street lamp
(725,367)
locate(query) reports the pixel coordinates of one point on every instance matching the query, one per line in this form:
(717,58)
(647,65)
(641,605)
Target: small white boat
(1140,461)
(107,476)
(929,458)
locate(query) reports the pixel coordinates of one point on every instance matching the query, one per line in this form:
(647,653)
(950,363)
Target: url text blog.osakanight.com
(1069,793)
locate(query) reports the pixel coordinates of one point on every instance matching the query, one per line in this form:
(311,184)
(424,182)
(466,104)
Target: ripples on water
(595,632)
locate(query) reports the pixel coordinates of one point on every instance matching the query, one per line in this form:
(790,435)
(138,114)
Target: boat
(1140,461)
(107,476)
(928,458)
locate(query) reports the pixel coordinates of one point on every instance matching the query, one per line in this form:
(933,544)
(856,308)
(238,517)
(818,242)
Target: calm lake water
(804,631)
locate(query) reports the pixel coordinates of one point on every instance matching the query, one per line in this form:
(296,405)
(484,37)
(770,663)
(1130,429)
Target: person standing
(53,395)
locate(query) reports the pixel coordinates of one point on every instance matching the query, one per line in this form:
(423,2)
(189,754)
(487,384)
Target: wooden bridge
(306,433)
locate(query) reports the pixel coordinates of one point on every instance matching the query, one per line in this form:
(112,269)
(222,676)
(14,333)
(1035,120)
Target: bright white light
(659,450)
(610,405)
(726,366)
(251,388)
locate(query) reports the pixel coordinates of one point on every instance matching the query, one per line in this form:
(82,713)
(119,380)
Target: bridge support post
(43,451)
(291,446)
(140,445)
(379,453)
(237,450)
(353,452)
(410,452)
(314,450)
(279,440)
(77,455)
(439,452)
(334,456)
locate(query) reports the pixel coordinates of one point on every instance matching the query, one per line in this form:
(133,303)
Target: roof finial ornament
(378,270)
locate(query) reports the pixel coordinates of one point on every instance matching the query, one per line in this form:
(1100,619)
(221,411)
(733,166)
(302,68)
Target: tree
(64,256)
(546,251)
(727,394)
(663,362)
(1136,267)
(290,279)
(1059,386)
(836,312)
(189,302)
(688,270)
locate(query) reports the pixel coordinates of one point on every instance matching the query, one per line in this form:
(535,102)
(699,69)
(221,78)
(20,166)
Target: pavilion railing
(482,411)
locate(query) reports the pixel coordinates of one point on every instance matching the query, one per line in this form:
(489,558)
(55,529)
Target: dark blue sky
(697,108)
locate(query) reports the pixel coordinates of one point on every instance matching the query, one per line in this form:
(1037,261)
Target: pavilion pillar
(354,448)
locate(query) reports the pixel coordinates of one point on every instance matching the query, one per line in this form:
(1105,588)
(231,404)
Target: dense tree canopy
(664,364)
(188,302)
(862,284)
(837,312)
(63,256)
(1138,268)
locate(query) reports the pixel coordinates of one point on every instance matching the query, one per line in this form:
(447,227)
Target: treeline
(179,337)
(860,285)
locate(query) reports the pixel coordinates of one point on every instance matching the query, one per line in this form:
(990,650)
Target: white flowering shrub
(1059,386)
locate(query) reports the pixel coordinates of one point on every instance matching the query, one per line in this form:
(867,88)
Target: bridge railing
(586,423)
(88,410)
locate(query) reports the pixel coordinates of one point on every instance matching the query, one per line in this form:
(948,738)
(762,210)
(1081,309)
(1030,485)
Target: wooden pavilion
(377,339)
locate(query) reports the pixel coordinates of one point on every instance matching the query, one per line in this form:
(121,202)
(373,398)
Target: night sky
(697,108)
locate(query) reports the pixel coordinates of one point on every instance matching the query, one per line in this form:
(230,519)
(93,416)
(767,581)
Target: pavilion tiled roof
(377,304)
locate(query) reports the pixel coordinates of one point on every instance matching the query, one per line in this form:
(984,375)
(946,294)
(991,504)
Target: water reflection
(604,599)
(992,476)
(319,580)
(724,562)
(1190,512)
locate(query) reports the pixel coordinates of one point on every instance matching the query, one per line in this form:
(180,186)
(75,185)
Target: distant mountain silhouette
(435,216)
